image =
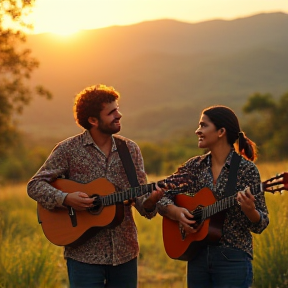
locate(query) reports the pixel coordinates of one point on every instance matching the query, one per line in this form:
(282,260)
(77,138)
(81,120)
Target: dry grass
(27,259)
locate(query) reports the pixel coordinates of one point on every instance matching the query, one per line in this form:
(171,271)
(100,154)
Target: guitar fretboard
(127,194)
(225,203)
(170,185)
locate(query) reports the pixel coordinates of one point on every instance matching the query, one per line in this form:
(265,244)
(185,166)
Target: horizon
(71,34)
(90,15)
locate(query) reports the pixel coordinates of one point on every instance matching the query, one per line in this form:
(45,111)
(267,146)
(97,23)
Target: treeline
(164,157)
(265,123)
(23,159)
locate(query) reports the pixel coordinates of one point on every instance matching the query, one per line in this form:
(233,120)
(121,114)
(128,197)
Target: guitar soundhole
(97,208)
(197,213)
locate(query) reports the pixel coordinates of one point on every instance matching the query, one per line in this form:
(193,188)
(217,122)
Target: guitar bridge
(183,234)
(72,216)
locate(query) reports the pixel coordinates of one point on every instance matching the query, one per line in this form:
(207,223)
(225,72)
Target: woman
(226,262)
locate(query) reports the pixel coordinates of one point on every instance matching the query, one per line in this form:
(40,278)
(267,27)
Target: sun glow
(55,17)
(64,30)
(65,17)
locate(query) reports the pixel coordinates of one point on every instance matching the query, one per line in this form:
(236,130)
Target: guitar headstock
(176,183)
(277,183)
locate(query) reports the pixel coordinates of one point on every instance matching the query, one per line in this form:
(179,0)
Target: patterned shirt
(237,227)
(79,159)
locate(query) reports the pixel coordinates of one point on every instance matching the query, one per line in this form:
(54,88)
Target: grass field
(27,259)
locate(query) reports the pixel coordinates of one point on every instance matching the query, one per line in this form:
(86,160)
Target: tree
(279,141)
(267,125)
(16,67)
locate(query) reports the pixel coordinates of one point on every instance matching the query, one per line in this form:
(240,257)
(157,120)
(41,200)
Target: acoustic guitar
(208,214)
(68,227)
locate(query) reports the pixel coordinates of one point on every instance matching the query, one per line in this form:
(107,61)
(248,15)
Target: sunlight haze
(69,16)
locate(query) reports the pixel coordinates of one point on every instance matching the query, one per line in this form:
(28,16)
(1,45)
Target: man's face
(109,121)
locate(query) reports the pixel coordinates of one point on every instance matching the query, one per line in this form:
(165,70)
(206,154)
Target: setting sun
(55,17)
(65,17)
(64,30)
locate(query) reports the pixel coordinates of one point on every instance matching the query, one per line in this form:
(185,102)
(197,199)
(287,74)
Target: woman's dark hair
(89,103)
(224,117)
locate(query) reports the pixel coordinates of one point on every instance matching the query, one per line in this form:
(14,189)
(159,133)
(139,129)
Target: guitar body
(57,224)
(209,231)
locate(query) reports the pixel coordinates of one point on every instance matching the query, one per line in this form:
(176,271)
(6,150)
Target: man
(108,258)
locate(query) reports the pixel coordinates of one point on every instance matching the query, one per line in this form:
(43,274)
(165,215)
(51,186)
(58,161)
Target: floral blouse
(237,228)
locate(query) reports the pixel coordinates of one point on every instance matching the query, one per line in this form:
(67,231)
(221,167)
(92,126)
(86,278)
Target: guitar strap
(229,191)
(127,161)
(231,184)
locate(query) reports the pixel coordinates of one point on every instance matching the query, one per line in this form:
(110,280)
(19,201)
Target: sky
(69,16)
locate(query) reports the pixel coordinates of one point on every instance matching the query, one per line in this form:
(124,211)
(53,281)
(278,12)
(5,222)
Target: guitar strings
(222,204)
(144,189)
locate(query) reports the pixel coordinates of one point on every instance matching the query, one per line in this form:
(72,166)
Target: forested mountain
(165,70)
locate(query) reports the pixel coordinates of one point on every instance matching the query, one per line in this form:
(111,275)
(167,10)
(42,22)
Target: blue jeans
(220,267)
(82,275)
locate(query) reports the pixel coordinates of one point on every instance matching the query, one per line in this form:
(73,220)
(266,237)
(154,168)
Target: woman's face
(207,133)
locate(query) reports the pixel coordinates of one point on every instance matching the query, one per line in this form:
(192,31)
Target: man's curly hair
(89,103)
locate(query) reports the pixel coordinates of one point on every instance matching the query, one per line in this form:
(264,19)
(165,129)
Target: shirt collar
(206,158)
(229,158)
(88,140)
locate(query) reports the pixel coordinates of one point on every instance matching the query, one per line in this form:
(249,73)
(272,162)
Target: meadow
(28,259)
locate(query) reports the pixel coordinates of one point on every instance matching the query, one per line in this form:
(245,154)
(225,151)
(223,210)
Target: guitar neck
(172,185)
(223,204)
(130,193)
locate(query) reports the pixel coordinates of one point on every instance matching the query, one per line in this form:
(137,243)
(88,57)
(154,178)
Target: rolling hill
(166,71)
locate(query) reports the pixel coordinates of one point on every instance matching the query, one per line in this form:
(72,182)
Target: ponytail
(246,147)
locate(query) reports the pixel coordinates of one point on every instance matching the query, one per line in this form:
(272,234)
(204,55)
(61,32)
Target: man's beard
(107,129)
